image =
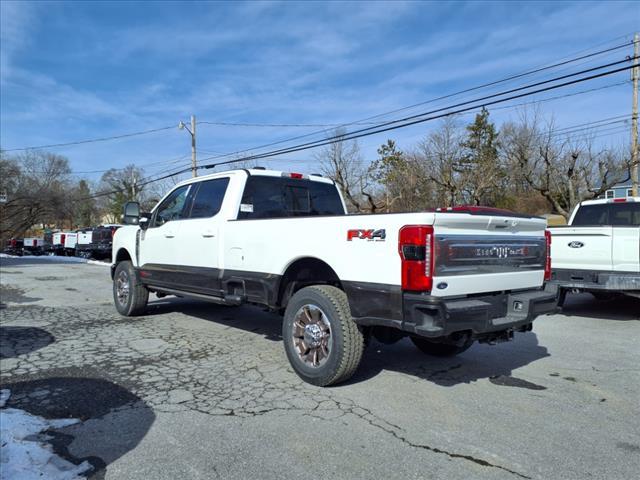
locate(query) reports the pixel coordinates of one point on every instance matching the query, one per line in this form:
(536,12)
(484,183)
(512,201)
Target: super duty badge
(370,235)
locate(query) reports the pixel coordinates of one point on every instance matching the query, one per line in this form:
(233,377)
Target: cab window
(208,198)
(278,197)
(172,207)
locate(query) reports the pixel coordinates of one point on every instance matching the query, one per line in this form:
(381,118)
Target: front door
(159,245)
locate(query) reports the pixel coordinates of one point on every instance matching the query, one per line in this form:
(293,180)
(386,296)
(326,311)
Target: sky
(72,71)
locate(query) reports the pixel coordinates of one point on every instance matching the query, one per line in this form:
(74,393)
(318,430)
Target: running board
(231,300)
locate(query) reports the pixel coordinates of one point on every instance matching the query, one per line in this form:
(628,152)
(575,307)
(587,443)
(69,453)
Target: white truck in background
(598,251)
(83,243)
(33,246)
(285,241)
(70,241)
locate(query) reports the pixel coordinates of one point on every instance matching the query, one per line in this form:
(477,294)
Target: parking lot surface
(196,390)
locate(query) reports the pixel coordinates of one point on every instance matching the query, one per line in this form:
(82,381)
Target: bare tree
(118,186)
(342,162)
(440,155)
(564,169)
(37,185)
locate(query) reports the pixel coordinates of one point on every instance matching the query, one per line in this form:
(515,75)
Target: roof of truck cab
(600,201)
(256,172)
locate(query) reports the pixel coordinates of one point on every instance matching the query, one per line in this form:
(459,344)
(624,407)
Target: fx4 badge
(370,235)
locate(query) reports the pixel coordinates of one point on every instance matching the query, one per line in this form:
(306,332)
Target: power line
(415,119)
(485,85)
(92,140)
(386,127)
(558,97)
(562,133)
(362,122)
(507,79)
(282,125)
(299,137)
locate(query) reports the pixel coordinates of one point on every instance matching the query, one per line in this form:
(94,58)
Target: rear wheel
(322,342)
(441,349)
(129,296)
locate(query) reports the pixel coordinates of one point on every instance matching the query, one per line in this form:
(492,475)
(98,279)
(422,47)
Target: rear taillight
(415,245)
(62,237)
(547,262)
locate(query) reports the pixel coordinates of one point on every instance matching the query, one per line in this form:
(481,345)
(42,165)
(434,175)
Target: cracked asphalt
(195,390)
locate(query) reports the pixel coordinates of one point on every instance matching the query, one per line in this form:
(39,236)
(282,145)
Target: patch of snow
(59,259)
(24,453)
(98,262)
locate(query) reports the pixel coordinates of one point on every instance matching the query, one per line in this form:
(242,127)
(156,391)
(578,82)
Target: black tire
(440,349)
(344,340)
(134,302)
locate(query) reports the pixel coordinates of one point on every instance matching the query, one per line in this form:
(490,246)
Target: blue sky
(73,71)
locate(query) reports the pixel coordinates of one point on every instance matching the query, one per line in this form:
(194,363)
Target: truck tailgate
(481,253)
(584,248)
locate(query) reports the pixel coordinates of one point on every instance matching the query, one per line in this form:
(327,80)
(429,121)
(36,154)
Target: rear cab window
(282,197)
(618,214)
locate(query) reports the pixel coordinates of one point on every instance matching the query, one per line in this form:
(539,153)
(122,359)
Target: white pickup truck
(285,241)
(599,250)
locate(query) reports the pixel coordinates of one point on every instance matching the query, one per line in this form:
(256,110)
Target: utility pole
(194,166)
(134,184)
(635,73)
(192,132)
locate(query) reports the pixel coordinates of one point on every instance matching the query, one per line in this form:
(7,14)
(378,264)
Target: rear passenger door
(199,238)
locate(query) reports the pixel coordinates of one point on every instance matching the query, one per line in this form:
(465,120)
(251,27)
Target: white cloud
(17,20)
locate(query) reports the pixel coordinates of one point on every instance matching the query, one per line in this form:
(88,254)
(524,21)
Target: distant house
(621,190)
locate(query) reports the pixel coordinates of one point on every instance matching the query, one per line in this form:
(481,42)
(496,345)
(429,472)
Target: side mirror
(131,213)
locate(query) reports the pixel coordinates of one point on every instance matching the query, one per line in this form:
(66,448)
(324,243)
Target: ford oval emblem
(442,285)
(576,244)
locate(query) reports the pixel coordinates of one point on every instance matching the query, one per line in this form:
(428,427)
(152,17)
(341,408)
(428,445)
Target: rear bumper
(434,317)
(596,280)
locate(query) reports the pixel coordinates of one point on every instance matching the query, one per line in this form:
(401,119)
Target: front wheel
(441,349)
(129,296)
(323,343)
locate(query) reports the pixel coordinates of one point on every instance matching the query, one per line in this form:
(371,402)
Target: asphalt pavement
(196,390)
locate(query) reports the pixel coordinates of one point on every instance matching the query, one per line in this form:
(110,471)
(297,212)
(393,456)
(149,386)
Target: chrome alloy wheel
(122,287)
(312,335)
